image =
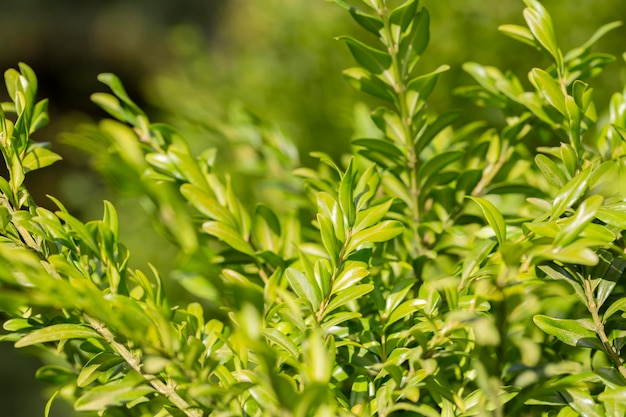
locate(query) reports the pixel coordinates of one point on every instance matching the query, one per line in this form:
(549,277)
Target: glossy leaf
(570,193)
(540,24)
(38,158)
(403,310)
(568,331)
(345,296)
(549,89)
(229,236)
(493,217)
(581,218)
(381,232)
(306,288)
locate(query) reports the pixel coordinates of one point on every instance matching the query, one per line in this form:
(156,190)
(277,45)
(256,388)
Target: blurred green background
(197,63)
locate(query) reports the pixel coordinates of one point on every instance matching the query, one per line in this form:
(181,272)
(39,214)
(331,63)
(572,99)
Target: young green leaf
(549,89)
(56,333)
(110,395)
(228,235)
(575,224)
(38,158)
(493,217)
(381,232)
(305,287)
(551,170)
(540,24)
(345,296)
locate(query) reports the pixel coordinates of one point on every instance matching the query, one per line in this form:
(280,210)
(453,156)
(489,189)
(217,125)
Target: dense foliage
(439,270)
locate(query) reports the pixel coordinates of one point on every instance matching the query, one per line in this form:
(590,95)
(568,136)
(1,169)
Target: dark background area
(187,62)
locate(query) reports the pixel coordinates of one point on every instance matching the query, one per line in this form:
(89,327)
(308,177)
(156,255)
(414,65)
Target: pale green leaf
(39,157)
(381,232)
(345,296)
(57,332)
(307,289)
(493,217)
(229,236)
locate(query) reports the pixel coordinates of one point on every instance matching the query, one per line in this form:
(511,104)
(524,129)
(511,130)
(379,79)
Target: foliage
(437,271)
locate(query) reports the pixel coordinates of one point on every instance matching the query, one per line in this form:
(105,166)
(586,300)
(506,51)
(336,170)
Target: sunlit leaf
(55,333)
(571,332)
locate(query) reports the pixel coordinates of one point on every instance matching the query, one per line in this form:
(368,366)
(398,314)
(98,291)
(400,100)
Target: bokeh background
(197,63)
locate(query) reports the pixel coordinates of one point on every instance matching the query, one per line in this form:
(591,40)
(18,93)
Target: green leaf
(345,296)
(365,20)
(206,204)
(111,105)
(403,310)
(582,402)
(612,217)
(519,33)
(350,276)
(493,217)
(419,89)
(615,394)
(55,374)
(116,86)
(551,170)
(568,331)
(366,82)
(413,45)
(382,232)
(80,230)
(346,194)
(373,60)
(575,224)
(360,393)
(372,215)
(57,332)
(569,158)
(48,407)
(549,89)
(540,24)
(584,48)
(403,16)
(435,164)
(331,215)
(110,219)
(619,305)
(434,128)
(570,193)
(306,288)
(283,341)
(39,157)
(110,395)
(229,236)
(266,228)
(98,364)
